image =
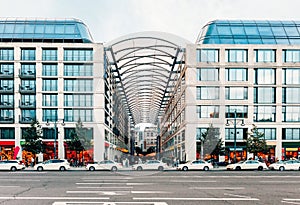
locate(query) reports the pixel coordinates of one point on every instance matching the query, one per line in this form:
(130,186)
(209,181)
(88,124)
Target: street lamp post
(234,121)
(55,132)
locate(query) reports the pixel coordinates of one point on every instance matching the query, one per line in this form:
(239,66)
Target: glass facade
(6,54)
(208,74)
(291,114)
(6,100)
(72,100)
(50,100)
(6,69)
(265,55)
(44,30)
(236,93)
(49,69)
(241,111)
(28,54)
(72,115)
(78,85)
(269,133)
(7,133)
(264,95)
(49,85)
(291,76)
(229,134)
(204,111)
(78,70)
(27,69)
(291,95)
(250,32)
(207,93)
(264,114)
(50,114)
(236,74)
(291,134)
(236,55)
(264,76)
(49,54)
(207,55)
(78,55)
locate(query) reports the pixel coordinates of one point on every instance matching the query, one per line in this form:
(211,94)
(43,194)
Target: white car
(247,165)
(150,165)
(195,165)
(11,165)
(104,165)
(286,165)
(53,164)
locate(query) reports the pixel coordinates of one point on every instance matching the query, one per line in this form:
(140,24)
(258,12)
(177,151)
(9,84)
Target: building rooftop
(250,32)
(44,30)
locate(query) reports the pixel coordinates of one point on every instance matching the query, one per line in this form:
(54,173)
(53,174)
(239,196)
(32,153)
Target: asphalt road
(149,187)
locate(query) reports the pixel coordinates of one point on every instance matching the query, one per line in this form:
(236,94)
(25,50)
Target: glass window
(78,55)
(208,111)
(28,54)
(28,100)
(69,132)
(50,100)
(224,30)
(207,55)
(264,114)
(208,74)
(6,115)
(201,131)
(78,69)
(49,69)
(291,95)
(264,76)
(6,54)
(207,93)
(264,95)
(230,133)
(49,85)
(241,111)
(6,85)
(9,28)
(6,69)
(28,115)
(236,74)
(71,100)
(236,93)
(49,114)
(291,56)
(291,114)
(50,54)
(291,134)
(72,115)
(27,69)
(28,84)
(291,76)
(49,133)
(49,28)
(269,133)
(236,55)
(265,55)
(6,100)
(78,85)
(7,133)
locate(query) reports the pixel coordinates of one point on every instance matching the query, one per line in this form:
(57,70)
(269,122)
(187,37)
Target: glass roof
(145,64)
(44,30)
(250,32)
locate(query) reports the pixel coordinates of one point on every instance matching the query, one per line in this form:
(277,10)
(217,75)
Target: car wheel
(139,168)
(13,169)
(40,168)
(160,168)
(205,168)
(114,169)
(238,168)
(92,169)
(260,168)
(281,168)
(62,169)
(185,168)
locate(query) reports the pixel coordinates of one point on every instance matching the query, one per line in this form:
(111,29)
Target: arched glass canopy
(145,64)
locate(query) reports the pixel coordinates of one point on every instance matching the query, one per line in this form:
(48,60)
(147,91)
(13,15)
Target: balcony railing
(6,89)
(6,120)
(27,89)
(26,120)
(5,104)
(6,74)
(27,104)
(27,75)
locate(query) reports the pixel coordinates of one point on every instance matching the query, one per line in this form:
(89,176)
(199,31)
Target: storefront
(7,149)
(290,150)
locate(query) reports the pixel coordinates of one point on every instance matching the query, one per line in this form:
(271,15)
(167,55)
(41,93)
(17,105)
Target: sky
(110,19)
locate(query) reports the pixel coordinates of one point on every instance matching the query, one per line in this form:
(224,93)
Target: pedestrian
(32,161)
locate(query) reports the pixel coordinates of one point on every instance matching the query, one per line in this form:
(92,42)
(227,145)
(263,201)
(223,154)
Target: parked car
(247,165)
(11,165)
(53,164)
(195,165)
(104,165)
(150,165)
(285,165)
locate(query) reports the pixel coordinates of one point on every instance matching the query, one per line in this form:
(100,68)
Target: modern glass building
(52,71)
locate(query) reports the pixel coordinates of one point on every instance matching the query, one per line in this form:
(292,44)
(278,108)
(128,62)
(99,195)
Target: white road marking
(106,187)
(10,186)
(107,203)
(290,202)
(116,192)
(285,182)
(51,198)
(236,195)
(114,183)
(291,199)
(23,180)
(184,181)
(105,180)
(198,199)
(219,188)
(229,176)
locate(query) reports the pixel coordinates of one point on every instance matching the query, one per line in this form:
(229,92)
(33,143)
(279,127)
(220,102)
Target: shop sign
(289,149)
(238,149)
